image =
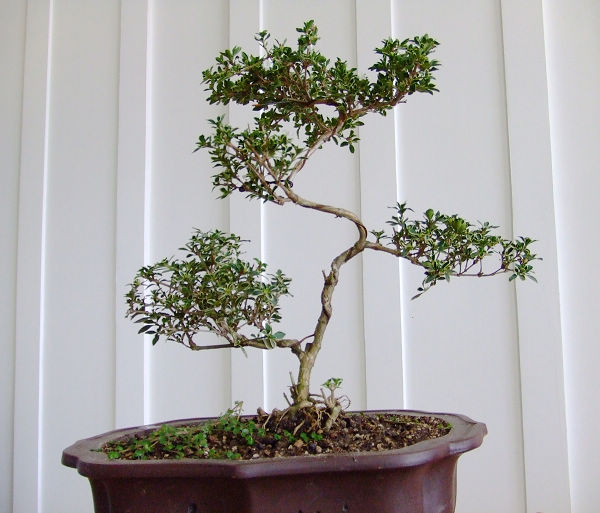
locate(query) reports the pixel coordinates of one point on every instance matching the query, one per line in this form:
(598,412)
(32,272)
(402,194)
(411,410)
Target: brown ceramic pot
(416,479)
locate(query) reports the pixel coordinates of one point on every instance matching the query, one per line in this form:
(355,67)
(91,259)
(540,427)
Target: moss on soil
(278,435)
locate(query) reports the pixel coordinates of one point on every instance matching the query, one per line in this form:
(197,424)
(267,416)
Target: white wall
(573,50)
(101,106)
(12,31)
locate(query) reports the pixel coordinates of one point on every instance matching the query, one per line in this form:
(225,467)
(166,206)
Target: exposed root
(332,417)
(297,428)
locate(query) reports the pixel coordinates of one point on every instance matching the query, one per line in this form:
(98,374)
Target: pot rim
(465,434)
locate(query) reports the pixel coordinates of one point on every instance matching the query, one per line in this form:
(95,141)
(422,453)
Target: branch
(258,343)
(447,246)
(261,177)
(318,143)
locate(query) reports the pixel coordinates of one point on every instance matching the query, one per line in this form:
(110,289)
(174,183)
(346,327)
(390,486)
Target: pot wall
(424,489)
(418,479)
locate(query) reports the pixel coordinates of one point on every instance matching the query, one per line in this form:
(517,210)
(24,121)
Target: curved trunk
(301,389)
(309,355)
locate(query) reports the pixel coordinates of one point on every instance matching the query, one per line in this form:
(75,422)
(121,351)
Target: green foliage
(447,245)
(322,100)
(290,436)
(174,441)
(198,440)
(232,422)
(191,441)
(212,288)
(318,100)
(333,383)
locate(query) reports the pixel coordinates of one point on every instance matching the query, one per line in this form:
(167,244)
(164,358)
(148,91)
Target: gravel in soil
(278,435)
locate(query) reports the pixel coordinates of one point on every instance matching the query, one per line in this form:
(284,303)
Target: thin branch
(261,177)
(214,346)
(317,144)
(415,260)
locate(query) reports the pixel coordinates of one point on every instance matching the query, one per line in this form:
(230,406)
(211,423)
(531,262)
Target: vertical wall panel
(303,243)
(28,308)
(573,49)
(12,49)
(112,103)
(77,375)
(185,37)
(381,272)
(461,342)
(248,374)
(543,406)
(130,208)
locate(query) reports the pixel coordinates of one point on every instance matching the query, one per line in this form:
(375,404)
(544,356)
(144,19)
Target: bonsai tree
(319,101)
